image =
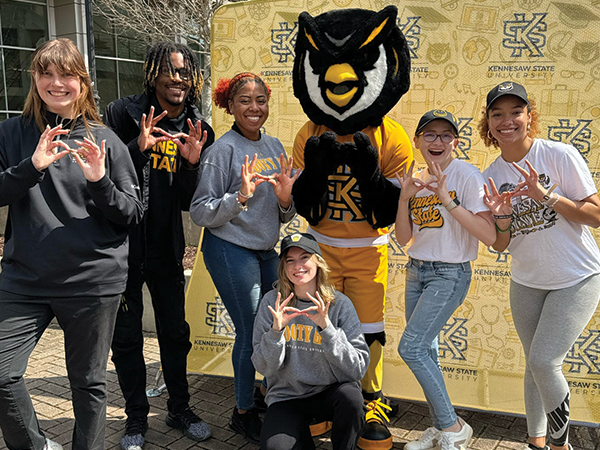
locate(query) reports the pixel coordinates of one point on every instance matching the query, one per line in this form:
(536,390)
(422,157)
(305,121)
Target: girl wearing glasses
(544,199)
(441,209)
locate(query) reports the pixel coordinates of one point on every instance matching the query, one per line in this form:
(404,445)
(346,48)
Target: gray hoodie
(303,359)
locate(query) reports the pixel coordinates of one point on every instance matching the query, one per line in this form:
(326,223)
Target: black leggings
(287,423)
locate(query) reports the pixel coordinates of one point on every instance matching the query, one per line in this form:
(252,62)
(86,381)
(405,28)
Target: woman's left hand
(284,181)
(531,186)
(321,311)
(91,158)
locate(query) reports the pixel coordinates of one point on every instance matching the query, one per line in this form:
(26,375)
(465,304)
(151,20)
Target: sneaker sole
(320,428)
(243,433)
(385,444)
(175,424)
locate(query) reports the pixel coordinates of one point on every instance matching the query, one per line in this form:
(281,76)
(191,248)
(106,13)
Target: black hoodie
(65,236)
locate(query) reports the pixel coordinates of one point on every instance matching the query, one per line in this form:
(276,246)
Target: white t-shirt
(437,236)
(549,251)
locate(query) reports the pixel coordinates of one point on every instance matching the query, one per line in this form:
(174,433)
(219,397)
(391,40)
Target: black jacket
(65,236)
(124,116)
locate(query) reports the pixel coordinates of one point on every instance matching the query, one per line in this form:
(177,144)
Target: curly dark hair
(484,128)
(159,54)
(228,87)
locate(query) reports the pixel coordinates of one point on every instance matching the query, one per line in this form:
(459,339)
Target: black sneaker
(259,401)
(190,424)
(135,429)
(248,424)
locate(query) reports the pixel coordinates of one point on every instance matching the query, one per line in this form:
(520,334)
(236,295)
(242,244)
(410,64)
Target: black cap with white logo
(506,88)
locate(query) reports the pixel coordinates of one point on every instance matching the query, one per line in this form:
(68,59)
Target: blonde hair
(325,287)
(484,128)
(63,54)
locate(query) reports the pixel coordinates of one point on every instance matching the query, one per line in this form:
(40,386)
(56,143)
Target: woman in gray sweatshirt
(243,196)
(308,343)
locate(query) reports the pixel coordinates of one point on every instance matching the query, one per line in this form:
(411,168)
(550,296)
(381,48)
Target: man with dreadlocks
(165,149)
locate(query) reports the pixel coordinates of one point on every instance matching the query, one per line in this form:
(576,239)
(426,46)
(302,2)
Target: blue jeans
(242,277)
(433,292)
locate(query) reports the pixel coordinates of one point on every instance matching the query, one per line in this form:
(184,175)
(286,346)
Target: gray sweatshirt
(215,204)
(303,360)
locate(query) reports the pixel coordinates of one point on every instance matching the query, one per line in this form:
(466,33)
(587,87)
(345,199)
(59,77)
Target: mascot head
(351,67)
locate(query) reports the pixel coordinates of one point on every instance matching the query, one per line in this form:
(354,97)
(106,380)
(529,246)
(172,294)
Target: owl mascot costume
(351,67)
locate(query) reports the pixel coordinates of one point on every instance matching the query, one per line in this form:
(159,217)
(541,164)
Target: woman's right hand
(282,314)
(410,185)
(44,153)
(250,180)
(498,204)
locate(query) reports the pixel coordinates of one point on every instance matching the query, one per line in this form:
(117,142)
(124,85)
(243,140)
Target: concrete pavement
(213,400)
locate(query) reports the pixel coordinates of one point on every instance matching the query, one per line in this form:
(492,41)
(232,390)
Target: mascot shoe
(375,434)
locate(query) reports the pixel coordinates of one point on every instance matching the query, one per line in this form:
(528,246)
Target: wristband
(284,210)
(453,204)
(500,230)
(546,197)
(503,216)
(553,200)
(246,196)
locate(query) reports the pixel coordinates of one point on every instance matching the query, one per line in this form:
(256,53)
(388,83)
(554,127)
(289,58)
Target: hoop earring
(489,134)
(528,128)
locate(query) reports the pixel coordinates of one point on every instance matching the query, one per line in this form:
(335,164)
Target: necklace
(515,171)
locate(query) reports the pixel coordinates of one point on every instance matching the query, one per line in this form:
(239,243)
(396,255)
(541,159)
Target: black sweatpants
(166,285)
(287,423)
(88,324)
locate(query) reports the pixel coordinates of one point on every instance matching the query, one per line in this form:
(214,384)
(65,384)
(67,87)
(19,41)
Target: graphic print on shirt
(298,335)
(530,215)
(344,196)
(426,211)
(265,164)
(163,156)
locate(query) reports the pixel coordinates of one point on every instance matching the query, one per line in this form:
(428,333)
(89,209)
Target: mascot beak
(341,80)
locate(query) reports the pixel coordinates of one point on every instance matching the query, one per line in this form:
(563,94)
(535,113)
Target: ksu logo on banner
(218,320)
(412,32)
(465,131)
(578,135)
(284,41)
(584,356)
(525,35)
(453,339)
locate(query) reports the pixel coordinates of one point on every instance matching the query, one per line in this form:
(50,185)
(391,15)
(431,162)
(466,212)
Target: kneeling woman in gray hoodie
(308,343)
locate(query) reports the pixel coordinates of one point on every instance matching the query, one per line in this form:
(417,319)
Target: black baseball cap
(436,114)
(304,241)
(506,88)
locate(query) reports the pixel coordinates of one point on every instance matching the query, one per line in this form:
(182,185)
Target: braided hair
(228,87)
(160,54)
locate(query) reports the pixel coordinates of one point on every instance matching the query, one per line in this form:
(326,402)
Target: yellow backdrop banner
(459,51)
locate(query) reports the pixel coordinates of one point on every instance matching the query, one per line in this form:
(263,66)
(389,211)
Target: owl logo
(351,67)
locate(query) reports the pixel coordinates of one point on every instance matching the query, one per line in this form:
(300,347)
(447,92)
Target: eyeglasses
(446,138)
(184,74)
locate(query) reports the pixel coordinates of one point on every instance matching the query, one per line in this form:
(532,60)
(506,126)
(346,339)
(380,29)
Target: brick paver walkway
(213,400)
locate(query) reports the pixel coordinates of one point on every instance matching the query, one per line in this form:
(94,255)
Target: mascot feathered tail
(351,67)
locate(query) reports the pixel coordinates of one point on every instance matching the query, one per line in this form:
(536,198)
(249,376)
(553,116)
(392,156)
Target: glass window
(104,40)
(16,66)
(106,77)
(2,89)
(23,24)
(130,48)
(131,78)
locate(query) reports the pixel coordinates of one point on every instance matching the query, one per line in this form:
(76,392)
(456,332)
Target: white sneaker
(51,445)
(427,441)
(456,441)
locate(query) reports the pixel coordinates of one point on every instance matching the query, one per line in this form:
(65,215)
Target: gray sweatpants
(548,323)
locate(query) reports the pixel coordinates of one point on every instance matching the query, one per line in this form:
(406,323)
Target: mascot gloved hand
(379,195)
(310,189)
(351,67)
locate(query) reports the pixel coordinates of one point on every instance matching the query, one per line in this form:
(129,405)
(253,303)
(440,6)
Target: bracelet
(553,200)
(500,230)
(503,216)
(244,206)
(286,210)
(246,196)
(453,204)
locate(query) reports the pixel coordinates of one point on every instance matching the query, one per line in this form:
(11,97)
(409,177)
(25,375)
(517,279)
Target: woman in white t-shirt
(442,210)
(544,199)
